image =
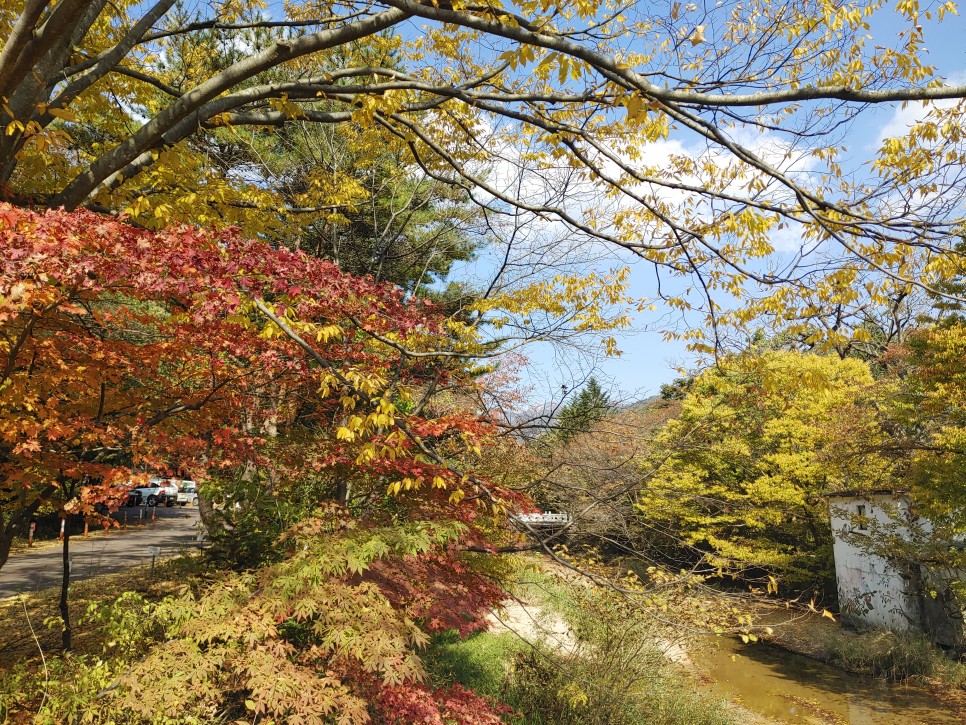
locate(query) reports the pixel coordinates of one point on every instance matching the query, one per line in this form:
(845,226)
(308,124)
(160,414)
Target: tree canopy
(165,166)
(927,416)
(128,350)
(125,349)
(693,137)
(740,473)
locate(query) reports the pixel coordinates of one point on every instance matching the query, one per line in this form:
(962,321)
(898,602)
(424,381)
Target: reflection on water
(794,689)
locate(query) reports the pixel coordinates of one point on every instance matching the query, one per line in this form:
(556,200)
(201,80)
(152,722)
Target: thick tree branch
(60,22)
(632,80)
(151,133)
(207,25)
(111,59)
(20,35)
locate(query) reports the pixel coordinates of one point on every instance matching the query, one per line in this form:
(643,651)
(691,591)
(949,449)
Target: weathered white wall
(870,589)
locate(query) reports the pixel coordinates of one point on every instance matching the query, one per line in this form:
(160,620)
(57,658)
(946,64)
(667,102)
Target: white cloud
(906,116)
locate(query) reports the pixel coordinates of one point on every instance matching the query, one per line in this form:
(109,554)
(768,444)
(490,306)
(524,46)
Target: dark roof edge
(860,492)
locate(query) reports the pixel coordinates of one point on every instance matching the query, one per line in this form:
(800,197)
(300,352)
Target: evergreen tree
(590,405)
(948,312)
(677,389)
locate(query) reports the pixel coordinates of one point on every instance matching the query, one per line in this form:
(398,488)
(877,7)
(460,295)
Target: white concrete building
(889,593)
(871,590)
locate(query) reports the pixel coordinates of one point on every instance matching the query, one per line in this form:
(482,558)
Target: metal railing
(542,520)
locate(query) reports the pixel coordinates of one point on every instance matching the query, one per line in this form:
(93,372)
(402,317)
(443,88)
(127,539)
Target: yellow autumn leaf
(697,37)
(63,114)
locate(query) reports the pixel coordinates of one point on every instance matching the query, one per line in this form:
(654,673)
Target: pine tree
(946,311)
(578,416)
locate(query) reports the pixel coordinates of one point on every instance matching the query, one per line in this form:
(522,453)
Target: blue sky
(648,359)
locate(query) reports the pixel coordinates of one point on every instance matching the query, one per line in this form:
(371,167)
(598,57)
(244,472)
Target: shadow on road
(174,530)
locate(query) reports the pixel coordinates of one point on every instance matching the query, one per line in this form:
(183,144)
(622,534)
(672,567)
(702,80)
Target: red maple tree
(124,349)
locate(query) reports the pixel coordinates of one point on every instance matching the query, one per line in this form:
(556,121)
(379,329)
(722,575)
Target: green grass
(480,662)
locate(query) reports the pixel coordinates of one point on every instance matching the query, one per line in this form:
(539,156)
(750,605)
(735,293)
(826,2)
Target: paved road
(174,529)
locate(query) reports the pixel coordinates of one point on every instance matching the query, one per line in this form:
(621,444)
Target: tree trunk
(17,524)
(65,586)
(8,533)
(206,513)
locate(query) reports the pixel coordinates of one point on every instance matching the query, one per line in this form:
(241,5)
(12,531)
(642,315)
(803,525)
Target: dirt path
(534,625)
(105,553)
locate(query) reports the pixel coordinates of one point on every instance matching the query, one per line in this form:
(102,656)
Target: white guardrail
(542,520)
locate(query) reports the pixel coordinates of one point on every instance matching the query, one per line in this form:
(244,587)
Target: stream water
(794,689)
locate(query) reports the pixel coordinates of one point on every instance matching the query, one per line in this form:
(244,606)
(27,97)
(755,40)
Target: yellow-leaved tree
(741,473)
(695,137)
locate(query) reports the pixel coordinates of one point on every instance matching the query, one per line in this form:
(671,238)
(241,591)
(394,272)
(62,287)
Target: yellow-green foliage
(756,444)
(297,642)
(931,410)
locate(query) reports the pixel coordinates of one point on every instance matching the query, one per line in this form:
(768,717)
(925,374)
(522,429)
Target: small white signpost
(153,552)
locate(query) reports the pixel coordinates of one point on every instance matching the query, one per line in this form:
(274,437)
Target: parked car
(169,487)
(152,494)
(187,494)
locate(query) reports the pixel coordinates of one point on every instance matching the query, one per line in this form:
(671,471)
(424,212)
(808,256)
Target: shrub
(607,686)
(65,690)
(888,654)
